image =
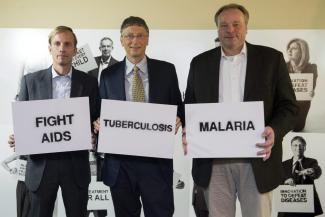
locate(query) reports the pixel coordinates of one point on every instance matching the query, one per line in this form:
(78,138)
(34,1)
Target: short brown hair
(134,21)
(232,6)
(60,29)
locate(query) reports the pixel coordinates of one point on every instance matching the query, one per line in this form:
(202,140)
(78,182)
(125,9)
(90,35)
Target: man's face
(62,49)
(106,47)
(298,148)
(134,39)
(232,30)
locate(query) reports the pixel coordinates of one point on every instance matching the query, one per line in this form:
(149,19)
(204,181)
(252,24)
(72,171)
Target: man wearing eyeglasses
(130,177)
(106,59)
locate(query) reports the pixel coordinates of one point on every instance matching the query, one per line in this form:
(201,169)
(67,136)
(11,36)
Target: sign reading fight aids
(84,60)
(222,130)
(139,129)
(54,125)
(299,198)
(302,84)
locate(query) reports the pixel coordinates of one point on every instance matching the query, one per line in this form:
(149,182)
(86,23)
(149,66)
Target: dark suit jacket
(38,86)
(306,163)
(267,80)
(95,71)
(163,89)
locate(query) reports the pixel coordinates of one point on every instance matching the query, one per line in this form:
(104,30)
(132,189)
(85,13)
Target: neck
(105,58)
(232,51)
(62,70)
(295,158)
(135,60)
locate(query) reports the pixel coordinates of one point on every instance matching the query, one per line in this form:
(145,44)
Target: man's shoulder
(37,74)
(207,54)
(160,63)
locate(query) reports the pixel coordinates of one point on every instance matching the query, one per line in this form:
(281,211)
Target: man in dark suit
(301,170)
(236,72)
(106,59)
(130,177)
(70,171)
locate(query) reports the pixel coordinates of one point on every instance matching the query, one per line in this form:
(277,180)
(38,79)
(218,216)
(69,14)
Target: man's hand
(184,141)
(306,172)
(96,125)
(11,141)
(289,182)
(178,124)
(266,147)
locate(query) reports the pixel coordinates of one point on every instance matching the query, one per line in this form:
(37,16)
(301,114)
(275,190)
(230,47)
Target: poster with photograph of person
(302,164)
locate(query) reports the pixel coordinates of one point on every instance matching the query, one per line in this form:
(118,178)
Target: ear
(50,48)
(75,51)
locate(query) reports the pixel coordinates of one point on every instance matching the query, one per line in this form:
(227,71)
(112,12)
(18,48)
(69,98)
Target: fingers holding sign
(267,146)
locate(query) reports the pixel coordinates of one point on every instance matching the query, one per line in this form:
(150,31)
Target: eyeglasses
(131,36)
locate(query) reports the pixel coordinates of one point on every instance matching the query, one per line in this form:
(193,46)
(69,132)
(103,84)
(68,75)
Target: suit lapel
(46,84)
(214,69)
(119,81)
(76,84)
(152,80)
(253,72)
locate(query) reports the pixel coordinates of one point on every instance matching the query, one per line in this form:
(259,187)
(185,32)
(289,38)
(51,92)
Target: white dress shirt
(232,74)
(143,72)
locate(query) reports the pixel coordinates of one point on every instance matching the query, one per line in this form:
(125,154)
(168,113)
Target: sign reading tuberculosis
(139,129)
(54,125)
(222,130)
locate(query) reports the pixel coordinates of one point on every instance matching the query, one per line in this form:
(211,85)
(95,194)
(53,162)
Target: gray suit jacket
(38,86)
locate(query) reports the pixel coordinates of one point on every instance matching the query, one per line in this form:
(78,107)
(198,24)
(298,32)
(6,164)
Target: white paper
(299,198)
(99,197)
(227,129)
(84,59)
(34,133)
(155,140)
(303,85)
(21,169)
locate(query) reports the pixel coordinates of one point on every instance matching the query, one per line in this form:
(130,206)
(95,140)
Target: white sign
(140,129)
(84,59)
(99,197)
(21,169)
(302,84)
(222,130)
(297,199)
(55,125)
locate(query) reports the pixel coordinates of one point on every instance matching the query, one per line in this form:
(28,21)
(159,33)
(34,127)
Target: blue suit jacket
(38,86)
(163,89)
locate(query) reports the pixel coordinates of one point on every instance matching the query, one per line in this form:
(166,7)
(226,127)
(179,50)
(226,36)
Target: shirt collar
(142,65)
(242,52)
(55,74)
(107,61)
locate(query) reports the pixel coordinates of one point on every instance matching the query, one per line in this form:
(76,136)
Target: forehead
(106,42)
(231,15)
(135,29)
(294,44)
(63,37)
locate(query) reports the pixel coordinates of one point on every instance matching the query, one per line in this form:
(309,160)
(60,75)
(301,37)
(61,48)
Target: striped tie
(137,86)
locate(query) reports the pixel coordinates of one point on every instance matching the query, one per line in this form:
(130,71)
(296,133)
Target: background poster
(25,51)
